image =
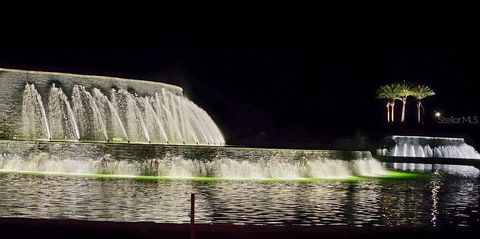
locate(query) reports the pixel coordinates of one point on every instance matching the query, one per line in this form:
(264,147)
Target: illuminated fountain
(431,147)
(70,108)
(184,161)
(438,147)
(65,123)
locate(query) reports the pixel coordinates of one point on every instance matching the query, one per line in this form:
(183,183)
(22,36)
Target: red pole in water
(192,216)
(192,208)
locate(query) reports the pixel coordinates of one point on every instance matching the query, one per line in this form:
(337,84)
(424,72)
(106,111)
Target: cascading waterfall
(135,124)
(90,115)
(104,115)
(34,119)
(89,111)
(165,114)
(117,125)
(98,116)
(153,123)
(230,163)
(91,119)
(63,125)
(178,167)
(438,147)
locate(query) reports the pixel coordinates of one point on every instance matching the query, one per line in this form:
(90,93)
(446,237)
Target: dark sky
(267,93)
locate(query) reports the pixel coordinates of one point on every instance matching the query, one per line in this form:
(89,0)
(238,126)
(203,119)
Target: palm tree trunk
(392,104)
(388,112)
(422,109)
(419,104)
(404,103)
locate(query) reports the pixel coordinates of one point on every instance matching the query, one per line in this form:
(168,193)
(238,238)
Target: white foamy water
(178,167)
(438,147)
(417,146)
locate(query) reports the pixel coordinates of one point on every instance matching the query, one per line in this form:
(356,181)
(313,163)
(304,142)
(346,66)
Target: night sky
(299,93)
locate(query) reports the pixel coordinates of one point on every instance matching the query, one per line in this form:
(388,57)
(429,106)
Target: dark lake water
(439,199)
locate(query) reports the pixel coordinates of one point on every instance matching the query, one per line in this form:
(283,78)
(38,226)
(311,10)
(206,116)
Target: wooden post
(192,216)
(192,208)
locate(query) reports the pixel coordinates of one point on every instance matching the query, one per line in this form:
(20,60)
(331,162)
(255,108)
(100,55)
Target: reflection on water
(437,200)
(435,185)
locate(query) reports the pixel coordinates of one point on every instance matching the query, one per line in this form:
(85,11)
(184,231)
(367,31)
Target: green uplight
(391,175)
(396,174)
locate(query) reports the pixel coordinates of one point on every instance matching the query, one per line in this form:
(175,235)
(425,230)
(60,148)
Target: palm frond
(420,92)
(391,92)
(405,89)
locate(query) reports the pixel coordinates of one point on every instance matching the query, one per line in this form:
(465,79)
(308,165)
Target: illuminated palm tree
(405,92)
(421,92)
(390,93)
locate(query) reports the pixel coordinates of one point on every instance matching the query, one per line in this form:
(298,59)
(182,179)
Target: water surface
(439,199)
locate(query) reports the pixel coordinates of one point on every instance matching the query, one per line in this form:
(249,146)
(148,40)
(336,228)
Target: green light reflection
(391,175)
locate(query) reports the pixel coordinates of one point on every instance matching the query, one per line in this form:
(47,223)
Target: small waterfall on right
(431,147)
(439,147)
